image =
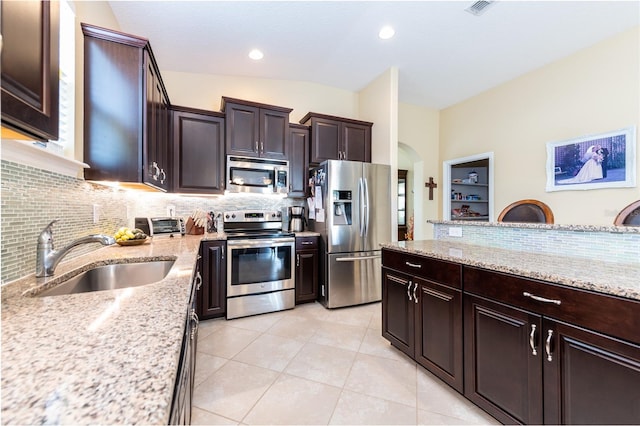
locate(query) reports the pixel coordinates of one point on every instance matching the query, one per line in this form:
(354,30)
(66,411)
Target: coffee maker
(296,223)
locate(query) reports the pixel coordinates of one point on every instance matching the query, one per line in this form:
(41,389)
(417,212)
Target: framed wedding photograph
(605,160)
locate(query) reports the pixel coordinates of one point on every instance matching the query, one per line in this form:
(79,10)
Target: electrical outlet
(171,210)
(455,231)
(96,213)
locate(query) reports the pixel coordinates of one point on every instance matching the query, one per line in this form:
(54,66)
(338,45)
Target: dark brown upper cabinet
(256,130)
(30,59)
(126,111)
(198,151)
(337,138)
(298,159)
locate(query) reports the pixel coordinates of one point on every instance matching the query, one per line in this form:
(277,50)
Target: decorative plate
(132,242)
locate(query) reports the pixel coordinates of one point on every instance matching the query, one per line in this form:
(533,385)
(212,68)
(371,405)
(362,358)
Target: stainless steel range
(260,263)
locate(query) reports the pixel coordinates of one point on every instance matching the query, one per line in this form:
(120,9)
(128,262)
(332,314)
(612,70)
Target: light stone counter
(619,279)
(106,357)
(307,234)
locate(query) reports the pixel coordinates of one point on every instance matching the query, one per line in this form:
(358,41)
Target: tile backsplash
(598,245)
(32,197)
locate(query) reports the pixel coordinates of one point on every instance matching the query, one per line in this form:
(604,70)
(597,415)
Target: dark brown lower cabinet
(213,295)
(422,313)
(522,366)
(503,371)
(307,269)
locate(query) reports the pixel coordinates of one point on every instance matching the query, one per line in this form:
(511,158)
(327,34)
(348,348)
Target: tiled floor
(311,365)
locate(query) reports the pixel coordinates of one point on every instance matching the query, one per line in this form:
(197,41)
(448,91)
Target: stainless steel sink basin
(111,277)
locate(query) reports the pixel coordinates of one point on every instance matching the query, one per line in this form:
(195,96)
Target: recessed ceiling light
(256,55)
(386,32)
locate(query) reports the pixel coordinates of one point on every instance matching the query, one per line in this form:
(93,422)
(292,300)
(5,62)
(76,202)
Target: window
(67,79)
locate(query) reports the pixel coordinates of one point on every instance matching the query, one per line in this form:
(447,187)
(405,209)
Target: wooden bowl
(132,242)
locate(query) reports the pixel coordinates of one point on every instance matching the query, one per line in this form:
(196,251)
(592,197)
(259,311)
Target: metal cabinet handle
(306,243)
(196,322)
(541,299)
(409,290)
(222,252)
(297,260)
(415,298)
(261,147)
(413,265)
(156,171)
(547,346)
(198,281)
(532,340)
(164,176)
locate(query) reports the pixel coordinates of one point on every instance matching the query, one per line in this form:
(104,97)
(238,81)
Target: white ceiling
(444,54)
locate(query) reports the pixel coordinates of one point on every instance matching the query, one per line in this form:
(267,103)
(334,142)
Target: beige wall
(593,91)
(205,91)
(418,129)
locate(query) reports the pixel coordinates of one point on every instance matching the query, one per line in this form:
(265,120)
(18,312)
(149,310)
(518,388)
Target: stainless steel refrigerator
(352,213)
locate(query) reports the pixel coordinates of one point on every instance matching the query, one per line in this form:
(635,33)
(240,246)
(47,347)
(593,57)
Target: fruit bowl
(132,242)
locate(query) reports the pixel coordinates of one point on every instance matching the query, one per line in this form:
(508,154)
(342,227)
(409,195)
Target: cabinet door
(243,130)
(325,140)
(589,378)
(356,142)
(398,310)
(274,134)
(298,161)
(503,360)
(152,104)
(213,301)
(30,59)
(306,276)
(198,153)
(439,331)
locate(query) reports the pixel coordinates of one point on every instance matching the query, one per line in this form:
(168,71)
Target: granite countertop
(307,234)
(558,227)
(103,357)
(618,279)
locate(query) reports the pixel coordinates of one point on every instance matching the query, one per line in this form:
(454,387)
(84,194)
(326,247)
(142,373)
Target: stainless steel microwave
(257,175)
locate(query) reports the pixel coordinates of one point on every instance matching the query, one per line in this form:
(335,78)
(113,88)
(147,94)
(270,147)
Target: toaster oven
(157,226)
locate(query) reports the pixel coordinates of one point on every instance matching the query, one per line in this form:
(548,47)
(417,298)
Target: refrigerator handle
(361,205)
(366,206)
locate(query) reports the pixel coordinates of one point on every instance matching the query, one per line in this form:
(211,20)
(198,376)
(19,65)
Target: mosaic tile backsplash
(596,245)
(31,198)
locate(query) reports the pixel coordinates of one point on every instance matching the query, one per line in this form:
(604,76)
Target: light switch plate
(455,231)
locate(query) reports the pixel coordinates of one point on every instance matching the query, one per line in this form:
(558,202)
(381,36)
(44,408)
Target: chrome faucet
(47,258)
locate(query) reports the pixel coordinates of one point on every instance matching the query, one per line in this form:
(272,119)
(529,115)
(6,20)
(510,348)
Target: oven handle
(355,259)
(261,242)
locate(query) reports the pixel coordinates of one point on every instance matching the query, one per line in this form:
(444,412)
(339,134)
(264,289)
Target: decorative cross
(431,184)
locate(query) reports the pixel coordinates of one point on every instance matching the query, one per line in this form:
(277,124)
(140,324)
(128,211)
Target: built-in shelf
(470,184)
(469,201)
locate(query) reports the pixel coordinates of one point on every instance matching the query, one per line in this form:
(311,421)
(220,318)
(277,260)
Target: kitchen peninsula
(538,329)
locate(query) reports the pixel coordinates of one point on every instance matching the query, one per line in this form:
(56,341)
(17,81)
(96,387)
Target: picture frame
(604,160)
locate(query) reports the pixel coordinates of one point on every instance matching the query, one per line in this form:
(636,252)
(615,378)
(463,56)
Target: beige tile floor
(311,365)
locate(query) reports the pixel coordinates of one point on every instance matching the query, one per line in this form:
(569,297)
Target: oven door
(260,265)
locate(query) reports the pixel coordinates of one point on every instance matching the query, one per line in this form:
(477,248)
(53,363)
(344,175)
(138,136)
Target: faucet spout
(47,258)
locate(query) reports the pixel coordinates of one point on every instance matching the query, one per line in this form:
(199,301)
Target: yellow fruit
(129,234)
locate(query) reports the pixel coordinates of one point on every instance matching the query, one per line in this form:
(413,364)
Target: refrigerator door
(342,215)
(354,278)
(377,212)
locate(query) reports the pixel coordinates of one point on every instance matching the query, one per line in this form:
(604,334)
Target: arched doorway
(410,160)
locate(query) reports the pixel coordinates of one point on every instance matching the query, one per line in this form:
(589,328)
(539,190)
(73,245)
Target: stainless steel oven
(260,263)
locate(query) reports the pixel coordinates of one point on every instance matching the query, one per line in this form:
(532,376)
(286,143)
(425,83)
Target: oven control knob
(278,214)
(233,216)
(273,215)
(226,216)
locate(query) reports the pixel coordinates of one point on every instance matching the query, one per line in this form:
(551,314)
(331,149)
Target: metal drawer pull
(413,265)
(409,291)
(198,280)
(415,298)
(541,299)
(532,340)
(306,243)
(547,345)
(297,260)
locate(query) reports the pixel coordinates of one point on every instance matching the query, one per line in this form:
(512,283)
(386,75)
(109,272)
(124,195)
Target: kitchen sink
(111,277)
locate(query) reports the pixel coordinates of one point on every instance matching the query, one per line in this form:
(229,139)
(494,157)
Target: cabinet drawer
(424,267)
(611,315)
(306,243)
